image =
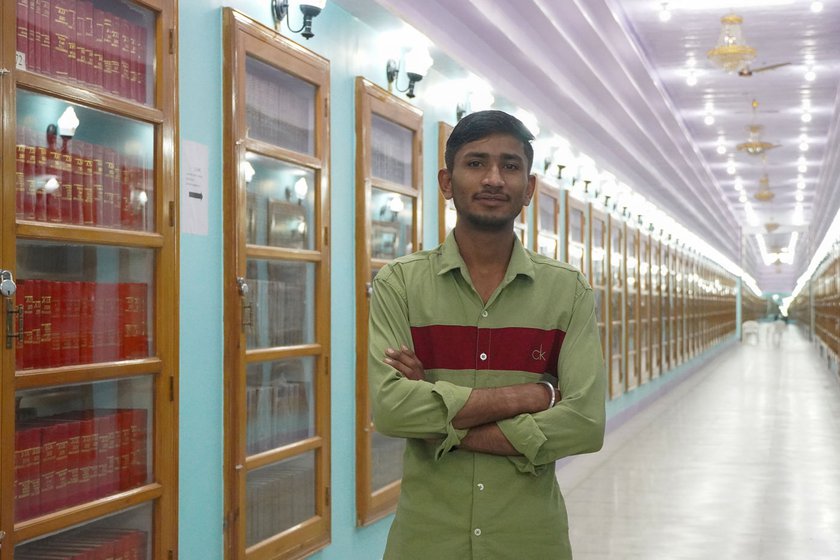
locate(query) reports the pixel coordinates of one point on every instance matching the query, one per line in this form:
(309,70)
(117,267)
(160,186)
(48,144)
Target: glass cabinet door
(547,211)
(446,209)
(88,399)
(655,306)
(599,276)
(631,310)
(577,228)
(644,308)
(616,294)
(388,203)
(276,293)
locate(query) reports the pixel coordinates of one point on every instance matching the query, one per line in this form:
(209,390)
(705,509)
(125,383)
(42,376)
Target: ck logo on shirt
(538,354)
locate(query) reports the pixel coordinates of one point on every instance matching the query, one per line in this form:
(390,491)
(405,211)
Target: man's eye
(473,163)
(512,166)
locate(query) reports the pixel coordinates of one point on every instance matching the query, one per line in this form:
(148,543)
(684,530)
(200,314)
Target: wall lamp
(309,8)
(417,64)
(65,127)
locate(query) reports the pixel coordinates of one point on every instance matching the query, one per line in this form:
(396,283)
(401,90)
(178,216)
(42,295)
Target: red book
(22,30)
(71,295)
(29,175)
(78,149)
(66,183)
(86,309)
(20,173)
(47,357)
(110,160)
(40,180)
(62,34)
(54,167)
(56,305)
(21,356)
(133,298)
(97,178)
(139,446)
(106,452)
(31,324)
(125,57)
(87,180)
(87,457)
(27,471)
(124,171)
(124,444)
(132,61)
(142,46)
(43,40)
(97,46)
(73,489)
(84,39)
(110,53)
(53,466)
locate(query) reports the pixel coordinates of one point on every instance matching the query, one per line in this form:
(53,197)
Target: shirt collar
(520,262)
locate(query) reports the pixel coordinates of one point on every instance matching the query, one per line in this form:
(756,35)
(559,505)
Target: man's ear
(445,183)
(532,185)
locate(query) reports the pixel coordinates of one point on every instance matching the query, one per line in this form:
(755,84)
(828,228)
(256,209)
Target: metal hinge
(170,554)
(171,388)
(327,495)
(171,41)
(326,365)
(171,213)
(326,239)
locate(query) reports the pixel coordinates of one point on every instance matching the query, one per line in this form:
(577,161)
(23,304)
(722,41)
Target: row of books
(74,41)
(76,457)
(278,110)
(69,323)
(276,415)
(278,498)
(88,544)
(279,313)
(79,183)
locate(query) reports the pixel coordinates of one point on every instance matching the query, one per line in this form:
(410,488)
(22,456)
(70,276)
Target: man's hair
(482,124)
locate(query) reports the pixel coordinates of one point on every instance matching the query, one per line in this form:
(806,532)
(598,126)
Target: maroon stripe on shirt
(471,348)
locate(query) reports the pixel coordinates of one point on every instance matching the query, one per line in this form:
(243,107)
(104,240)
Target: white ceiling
(610,76)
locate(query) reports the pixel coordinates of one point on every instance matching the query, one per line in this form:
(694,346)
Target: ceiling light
(803,147)
(755,146)
(739,184)
(810,75)
(816,7)
(800,184)
(721,149)
(802,168)
(692,79)
(709,120)
(742,198)
(664,13)
(800,197)
(730,168)
(806,117)
(731,52)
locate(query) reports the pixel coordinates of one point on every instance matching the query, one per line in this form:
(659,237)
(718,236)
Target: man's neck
(486,254)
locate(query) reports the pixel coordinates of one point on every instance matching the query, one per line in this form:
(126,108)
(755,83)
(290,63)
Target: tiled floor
(740,461)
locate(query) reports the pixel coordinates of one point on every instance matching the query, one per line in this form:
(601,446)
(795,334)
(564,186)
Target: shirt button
(477,532)
(484,313)
(483,356)
(480,486)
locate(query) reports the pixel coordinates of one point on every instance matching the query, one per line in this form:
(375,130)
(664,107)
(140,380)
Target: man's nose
(493,177)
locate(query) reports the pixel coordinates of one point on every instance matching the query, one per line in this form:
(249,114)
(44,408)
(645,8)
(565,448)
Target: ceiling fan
(746,71)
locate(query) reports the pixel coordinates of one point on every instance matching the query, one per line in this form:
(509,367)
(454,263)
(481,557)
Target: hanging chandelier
(764,194)
(731,51)
(771,227)
(754,146)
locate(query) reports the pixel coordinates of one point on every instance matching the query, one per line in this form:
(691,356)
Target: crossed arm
(484,407)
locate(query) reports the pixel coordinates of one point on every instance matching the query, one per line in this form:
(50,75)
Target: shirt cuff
(454,398)
(525,436)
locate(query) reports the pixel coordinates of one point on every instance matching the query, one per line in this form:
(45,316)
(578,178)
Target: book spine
(22,31)
(71,293)
(40,192)
(85,37)
(78,182)
(20,174)
(87,458)
(54,168)
(62,38)
(21,356)
(48,358)
(142,52)
(29,175)
(139,451)
(73,489)
(110,67)
(43,39)
(66,183)
(109,159)
(98,188)
(86,324)
(125,58)
(36,356)
(124,444)
(87,179)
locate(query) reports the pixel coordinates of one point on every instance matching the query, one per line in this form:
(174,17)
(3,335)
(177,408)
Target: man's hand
(405,361)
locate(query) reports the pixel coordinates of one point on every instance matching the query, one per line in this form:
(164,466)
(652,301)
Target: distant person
(486,358)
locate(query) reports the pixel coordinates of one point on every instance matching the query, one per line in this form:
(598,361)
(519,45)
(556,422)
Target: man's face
(489,182)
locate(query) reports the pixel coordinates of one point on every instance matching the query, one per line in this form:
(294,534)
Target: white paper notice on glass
(194,202)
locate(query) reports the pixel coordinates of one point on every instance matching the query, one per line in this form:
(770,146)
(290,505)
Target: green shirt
(539,324)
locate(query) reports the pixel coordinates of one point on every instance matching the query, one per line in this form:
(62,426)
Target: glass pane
(548,213)
(547,246)
(386,460)
(78,443)
(599,238)
(392,221)
(392,153)
(102,45)
(279,403)
(450,216)
(279,107)
(84,304)
(279,497)
(99,175)
(282,300)
(280,206)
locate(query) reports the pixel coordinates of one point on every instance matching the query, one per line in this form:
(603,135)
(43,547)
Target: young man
(485,356)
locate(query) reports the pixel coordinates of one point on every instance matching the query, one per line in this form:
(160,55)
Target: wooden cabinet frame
(444,130)
(554,195)
(373,504)
(161,492)
(616,294)
(245,38)
(573,205)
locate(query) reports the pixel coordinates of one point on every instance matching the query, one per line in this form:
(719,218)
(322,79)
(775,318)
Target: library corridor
(741,460)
